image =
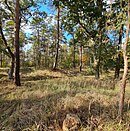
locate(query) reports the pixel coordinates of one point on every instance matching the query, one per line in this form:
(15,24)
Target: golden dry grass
(45,97)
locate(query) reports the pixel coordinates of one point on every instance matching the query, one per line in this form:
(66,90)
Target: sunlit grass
(45,98)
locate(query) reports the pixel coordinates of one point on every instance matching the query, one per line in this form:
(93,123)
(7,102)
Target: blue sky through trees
(51,12)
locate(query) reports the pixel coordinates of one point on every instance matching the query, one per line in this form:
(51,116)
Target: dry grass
(45,97)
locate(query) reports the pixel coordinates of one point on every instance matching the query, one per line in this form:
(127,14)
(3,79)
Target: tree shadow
(21,113)
(49,111)
(38,77)
(2,75)
(26,70)
(60,70)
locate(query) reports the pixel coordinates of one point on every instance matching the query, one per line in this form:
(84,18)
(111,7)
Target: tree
(7,16)
(115,23)
(118,58)
(10,73)
(58,35)
(91,19)
(124,78)
(1,59)
(38,39)
(16,43)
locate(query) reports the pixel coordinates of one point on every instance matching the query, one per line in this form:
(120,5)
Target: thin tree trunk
(97,74)
(11,70)
(81,57)
(1,60)
(98,61)
(17,56)
(74,65)
(124,78)
(117,68)
(38,49)
(96,69)
(47,56)
(58,39)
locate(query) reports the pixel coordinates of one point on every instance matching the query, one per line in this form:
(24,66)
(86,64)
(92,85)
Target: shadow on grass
(2,75)
(26,70)
(72,73)
(38,77)
(49,111)
(21,113)
(60,70)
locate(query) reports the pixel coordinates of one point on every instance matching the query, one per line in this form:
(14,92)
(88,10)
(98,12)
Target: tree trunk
(38,50)
(11,70)
(96,67)
(74,65)
(1,60)
(117,68)
(81,57)
(98,60)
(97,74)
(58,38)
(17,56)
(124,78)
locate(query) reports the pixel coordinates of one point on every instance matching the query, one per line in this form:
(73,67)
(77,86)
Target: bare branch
(9,8)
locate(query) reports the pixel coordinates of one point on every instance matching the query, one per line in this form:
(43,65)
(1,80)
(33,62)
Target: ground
(46,97)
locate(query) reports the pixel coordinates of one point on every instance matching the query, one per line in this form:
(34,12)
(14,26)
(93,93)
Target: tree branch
(88,33)
(9,8)
(5,41)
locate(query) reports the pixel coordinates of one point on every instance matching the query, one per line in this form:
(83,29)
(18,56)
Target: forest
(64,65)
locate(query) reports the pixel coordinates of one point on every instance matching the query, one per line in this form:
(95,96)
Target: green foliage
(27,64)
(90,71)
(67,63)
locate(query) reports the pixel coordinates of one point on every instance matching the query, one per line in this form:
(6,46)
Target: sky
(44,8)
(50,12)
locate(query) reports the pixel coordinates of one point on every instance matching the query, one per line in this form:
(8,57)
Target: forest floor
(45,97)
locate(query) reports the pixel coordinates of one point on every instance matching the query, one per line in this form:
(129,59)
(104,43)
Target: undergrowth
(45,97)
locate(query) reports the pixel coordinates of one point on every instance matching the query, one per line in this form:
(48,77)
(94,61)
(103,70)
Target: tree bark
(58,38)
(17,56)
(74,65)
(38,50)
(98,60)
(97,74)
(81,57)
(117,68)
(11,70)
(1,60)
(124,78)
(98,63)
